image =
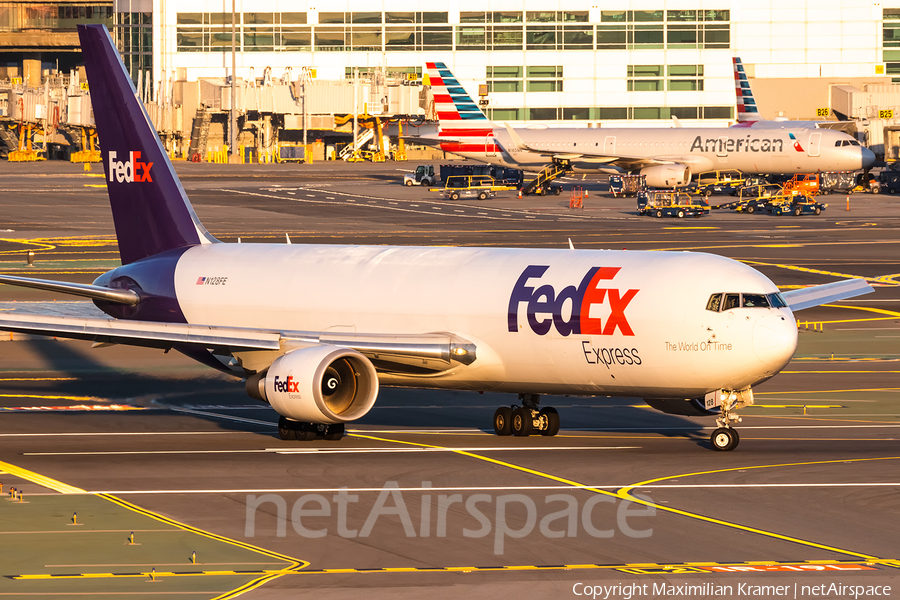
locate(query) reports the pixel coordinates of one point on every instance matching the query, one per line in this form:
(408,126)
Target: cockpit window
(755,301)
(723,302)
(776,300)
(731,301)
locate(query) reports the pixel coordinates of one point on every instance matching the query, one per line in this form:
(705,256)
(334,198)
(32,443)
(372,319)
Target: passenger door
(814,142)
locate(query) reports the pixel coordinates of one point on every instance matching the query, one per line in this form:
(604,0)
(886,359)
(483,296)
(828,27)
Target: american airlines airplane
(666,156)
(316,330)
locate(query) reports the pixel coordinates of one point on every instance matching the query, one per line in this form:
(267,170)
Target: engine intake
(667,175)
(318,384)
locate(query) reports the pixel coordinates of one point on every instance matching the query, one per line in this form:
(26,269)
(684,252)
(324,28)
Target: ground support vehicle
(627,185)
(501,175)
(665,203)
(424,175)
(717,182)
(842,182)
(796,205)
(756,199)
(471,186)
(803,183)
(890,181)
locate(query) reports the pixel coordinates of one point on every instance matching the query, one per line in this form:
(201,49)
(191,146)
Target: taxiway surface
(133,440)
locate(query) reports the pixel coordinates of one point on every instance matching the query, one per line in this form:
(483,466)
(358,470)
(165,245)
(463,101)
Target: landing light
(459,351)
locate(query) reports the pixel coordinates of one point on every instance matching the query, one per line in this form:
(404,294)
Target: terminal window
(544,79)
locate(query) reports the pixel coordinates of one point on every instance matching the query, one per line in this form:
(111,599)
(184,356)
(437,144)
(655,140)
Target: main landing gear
(305,432)
(527,419)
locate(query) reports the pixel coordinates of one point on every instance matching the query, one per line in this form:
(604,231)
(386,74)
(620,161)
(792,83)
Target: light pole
(232,120)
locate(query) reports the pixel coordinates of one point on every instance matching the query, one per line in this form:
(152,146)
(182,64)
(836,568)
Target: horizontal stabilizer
(823,294)
(95,292)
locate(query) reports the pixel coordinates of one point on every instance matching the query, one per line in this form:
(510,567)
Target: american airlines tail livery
(344,320)
(667,156)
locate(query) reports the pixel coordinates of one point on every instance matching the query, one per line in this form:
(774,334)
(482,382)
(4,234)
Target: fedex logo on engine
(286,385)
(570,309)
(129,171)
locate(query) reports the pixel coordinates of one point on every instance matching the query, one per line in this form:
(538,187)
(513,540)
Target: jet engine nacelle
(693,407)
(667,175)
(318,384)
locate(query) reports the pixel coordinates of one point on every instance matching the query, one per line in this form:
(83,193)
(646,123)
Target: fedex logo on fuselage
(570,309)
(128,171)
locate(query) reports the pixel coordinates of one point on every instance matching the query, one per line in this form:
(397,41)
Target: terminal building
(566,62)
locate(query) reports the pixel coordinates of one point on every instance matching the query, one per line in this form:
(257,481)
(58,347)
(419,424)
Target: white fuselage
(653,336)
(746,149)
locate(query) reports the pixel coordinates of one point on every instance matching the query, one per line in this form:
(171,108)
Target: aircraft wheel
(503,420)
(521,423)
(334,432)
(286,430)
(680,214)
(482,196)
(408,183)
(658,214)
(552,421)
(724,439)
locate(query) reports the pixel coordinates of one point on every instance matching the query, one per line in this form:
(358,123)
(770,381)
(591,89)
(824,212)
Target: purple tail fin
(150,209)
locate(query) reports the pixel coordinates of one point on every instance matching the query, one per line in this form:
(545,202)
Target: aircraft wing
(428,352)
(423,140)
(823,294)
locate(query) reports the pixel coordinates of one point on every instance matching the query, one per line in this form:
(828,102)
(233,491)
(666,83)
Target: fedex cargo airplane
(316,330)
(666,156)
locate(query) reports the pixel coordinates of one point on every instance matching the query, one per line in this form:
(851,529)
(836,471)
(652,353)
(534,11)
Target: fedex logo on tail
(129,171)
(570,309)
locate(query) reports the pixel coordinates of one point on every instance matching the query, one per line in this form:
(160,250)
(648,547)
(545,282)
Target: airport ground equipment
(802,183)
(26,151)
(668,203)
(90,147)
(541,185)
(890,181)
(717,182)
(796,205)
(424,175)
(755,198)
(471,186)
(842,182)
(577,199)
(627,185)
(501,175)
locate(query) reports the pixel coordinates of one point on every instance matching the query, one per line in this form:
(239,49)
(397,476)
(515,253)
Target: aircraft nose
(868,158)
(775,339)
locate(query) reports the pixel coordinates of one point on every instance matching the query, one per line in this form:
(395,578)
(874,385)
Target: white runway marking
(323,451)
(226,417)
(491,488)
(104,433)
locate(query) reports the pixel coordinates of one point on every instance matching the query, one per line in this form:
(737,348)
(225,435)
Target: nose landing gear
(526,419)
(725,437)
